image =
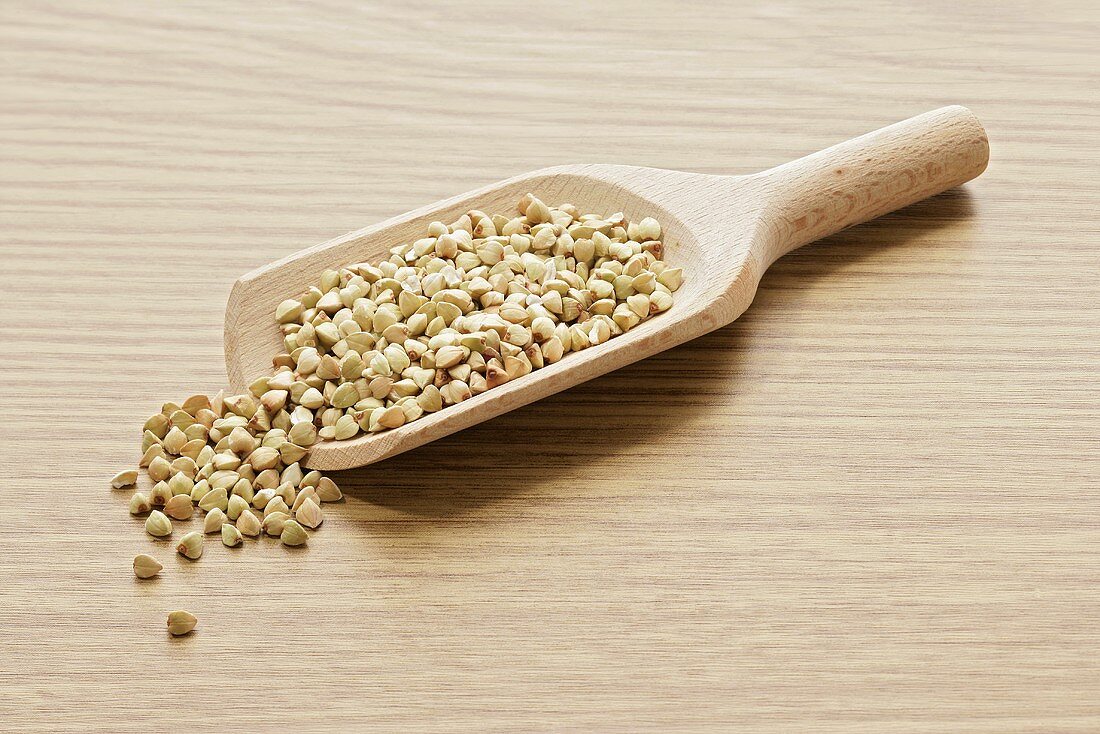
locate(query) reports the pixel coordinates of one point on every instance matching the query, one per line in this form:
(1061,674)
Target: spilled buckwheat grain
(370,347)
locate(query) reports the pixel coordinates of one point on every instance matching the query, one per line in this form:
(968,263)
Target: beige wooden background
(872,504)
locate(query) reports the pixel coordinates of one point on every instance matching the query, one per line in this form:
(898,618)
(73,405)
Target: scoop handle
(872,175)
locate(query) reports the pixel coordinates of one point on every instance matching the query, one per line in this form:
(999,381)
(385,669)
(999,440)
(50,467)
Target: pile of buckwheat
(471,306)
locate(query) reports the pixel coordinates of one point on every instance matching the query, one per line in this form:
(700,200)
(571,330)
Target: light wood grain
(872,503)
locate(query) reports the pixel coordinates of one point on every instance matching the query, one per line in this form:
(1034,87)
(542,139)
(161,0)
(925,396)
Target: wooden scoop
(724,231)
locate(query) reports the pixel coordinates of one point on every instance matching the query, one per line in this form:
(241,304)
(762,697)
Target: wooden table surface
(871,504)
